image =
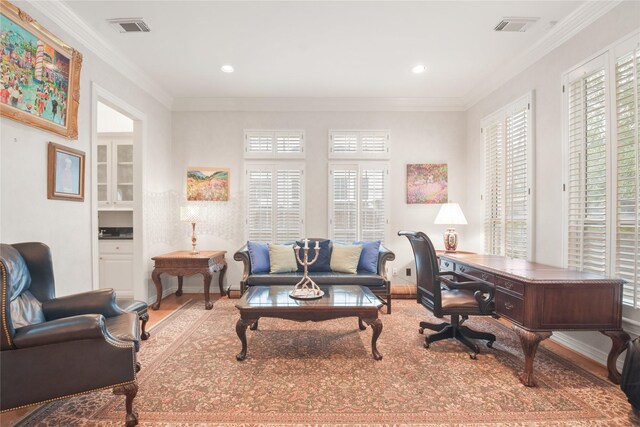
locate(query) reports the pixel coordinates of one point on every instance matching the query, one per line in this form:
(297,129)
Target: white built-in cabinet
(116,266)
(115,172)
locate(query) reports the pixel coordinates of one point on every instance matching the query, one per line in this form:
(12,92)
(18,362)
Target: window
(508,159)
(602,157)
(273,144)
(275,201)
(358,144)
(358,201)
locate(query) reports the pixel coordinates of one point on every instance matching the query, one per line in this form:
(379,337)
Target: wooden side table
(183,263)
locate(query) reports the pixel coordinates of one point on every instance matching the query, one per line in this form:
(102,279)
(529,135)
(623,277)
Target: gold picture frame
(65,174)
(39,75)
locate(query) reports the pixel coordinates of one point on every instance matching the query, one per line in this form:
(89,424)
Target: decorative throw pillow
(322,263)
(259,256)
(282,259)
(369,256)
(344,258)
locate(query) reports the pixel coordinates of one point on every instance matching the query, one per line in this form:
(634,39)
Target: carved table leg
(360,324)
(138,367)
(155,276)
(221,278)
(241,330)
(376,325)
(619,343)
(529,341)
(207,285)
(254,326)
(130,391)
(144,335)
(179,291)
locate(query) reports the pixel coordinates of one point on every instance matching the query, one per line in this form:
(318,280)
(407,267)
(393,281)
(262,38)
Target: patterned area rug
(323,374)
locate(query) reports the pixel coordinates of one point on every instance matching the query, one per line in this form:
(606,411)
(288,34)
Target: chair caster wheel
(421,331)
(426,345)
(473,356)
(490,344)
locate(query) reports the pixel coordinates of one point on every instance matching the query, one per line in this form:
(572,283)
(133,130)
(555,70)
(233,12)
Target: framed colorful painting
(65,173)
(427,183)
(40,75)
(207,184)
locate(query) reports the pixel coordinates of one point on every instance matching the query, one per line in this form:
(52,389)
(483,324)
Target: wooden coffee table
(337,302)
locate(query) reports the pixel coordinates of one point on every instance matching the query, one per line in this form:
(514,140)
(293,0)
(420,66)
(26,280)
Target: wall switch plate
(408,271)
(395,271)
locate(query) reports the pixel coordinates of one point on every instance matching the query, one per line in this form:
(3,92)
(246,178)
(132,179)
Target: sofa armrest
(384,255)
(242,254)
(101,301)
(87,326)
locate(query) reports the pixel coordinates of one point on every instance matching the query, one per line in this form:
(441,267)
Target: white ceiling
(321,49)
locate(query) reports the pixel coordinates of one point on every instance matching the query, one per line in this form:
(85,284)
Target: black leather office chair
(53,348)
(448,293)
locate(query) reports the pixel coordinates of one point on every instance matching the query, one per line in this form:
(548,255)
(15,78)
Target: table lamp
(450,214)
(192,214)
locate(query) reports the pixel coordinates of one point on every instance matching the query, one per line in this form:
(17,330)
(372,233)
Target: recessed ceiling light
(226,69)
(418,69)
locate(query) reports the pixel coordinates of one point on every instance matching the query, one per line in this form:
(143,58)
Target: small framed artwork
(40,74)
(427,183)
(207,184)
(65,174)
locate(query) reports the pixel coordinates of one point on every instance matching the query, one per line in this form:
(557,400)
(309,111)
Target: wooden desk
(183,263)
(539,299)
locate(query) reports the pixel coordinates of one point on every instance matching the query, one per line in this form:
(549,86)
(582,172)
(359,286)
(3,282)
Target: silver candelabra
(306,288)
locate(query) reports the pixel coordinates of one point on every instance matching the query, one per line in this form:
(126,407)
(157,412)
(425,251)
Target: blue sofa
(377,282)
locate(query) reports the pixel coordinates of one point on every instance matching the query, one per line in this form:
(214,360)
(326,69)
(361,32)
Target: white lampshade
(450,214)
(192,213)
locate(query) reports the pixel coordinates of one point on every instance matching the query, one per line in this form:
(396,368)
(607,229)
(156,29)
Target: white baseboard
(586,350)
(193,289)
(165,292)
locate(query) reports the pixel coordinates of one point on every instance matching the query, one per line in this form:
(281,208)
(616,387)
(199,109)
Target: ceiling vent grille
(129,25)
(515,25)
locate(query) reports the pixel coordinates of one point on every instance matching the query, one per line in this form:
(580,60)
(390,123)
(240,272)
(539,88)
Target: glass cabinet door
(103,174)
(123,156)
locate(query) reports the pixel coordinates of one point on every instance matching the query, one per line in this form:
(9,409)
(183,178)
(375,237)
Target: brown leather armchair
(54,348)
(448,293)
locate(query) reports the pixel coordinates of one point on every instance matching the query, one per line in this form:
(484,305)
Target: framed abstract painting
(427,183)
(207,184)
(65,173)
(39,75)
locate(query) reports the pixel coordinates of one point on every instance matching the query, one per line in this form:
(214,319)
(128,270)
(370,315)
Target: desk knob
(508,285)
(462,269)
(508,306)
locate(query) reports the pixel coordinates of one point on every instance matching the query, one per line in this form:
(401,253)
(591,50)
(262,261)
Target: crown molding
(565,29)
(77,29)
(318,104)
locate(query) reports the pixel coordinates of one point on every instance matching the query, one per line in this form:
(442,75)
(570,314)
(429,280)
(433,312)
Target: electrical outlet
(408,272)
(395,271)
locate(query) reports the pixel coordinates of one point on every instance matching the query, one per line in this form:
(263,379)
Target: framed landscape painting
(207,184)
(39,75)
(427,183)
(65,173)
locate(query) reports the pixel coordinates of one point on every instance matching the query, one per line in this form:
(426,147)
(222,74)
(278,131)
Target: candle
(306,243)
(317,245)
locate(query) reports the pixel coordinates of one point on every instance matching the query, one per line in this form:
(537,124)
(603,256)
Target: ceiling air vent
(129,25)
(515,25)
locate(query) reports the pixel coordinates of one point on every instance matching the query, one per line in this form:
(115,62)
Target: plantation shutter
(507,189)
(627,227)
(275,202)
(493,197)
(259,204)
(587,180)
(343,202)
(373,190)
(516,183)
(289,209)
(368,144)
(273,144)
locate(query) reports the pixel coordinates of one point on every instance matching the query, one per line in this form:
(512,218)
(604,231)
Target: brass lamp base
(194,251)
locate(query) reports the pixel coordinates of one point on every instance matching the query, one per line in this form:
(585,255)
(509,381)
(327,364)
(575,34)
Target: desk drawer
(446,265)
(510,306)
(510,285)
(487,277)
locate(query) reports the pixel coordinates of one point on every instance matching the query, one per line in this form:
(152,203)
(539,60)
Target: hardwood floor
(172,303)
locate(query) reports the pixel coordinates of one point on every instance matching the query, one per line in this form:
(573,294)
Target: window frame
(274,153)
(359,153)
(501,115)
